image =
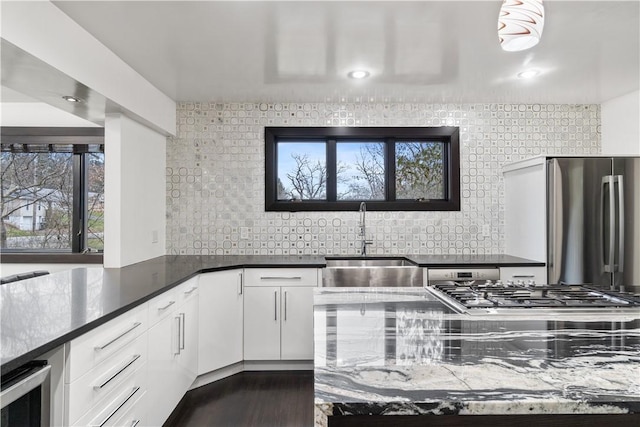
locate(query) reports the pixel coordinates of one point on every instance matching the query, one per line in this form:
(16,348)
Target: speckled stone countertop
(395,351)
(42,313)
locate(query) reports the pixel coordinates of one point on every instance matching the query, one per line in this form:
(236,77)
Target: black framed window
(337,168)
(52,191)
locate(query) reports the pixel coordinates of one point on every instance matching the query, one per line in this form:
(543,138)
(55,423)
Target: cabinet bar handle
(523,276)
(190,290)
(285,306)
(134,423)
(178,337)
(125,366)
(275,305)
(102,347)
(241,283)
(166,306)
(112,413)
(280,278)
(182,335)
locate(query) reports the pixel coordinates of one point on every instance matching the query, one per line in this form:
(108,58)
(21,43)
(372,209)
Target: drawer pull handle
(166,306)
(523,276)
(134,423)
(112,413)
(190,290)
(125,366)
(280,277)
(102,347)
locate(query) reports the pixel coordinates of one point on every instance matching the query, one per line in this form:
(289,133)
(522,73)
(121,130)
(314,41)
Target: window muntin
(410,151)
(52,196)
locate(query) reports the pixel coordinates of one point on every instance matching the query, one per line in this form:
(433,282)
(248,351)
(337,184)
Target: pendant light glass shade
(520,24)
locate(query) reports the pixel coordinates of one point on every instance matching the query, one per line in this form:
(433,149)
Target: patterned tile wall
(215,176)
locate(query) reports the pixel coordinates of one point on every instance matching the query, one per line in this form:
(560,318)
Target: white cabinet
(171,366)
(278,307)
(105,364)
(221,319)
(296,327)
(526,273)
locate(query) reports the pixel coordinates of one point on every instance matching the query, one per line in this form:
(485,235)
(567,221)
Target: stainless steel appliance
(593,222)
(480,291)
(25,396)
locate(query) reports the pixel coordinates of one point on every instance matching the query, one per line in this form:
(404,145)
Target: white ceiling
(419,51)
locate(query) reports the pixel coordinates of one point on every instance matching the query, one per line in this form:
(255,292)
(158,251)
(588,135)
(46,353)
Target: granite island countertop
(39,314)
(395,351)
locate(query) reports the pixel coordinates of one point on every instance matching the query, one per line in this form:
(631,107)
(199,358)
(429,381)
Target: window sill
(50,258)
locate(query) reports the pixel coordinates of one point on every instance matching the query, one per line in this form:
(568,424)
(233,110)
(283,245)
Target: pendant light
(520,24)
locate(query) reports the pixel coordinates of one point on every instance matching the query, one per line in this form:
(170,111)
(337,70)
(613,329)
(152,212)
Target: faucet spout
(363,229)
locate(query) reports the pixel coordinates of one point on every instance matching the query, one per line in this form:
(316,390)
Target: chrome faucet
(363,230)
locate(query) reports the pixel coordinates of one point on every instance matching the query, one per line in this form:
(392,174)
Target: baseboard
(278,365)
(252,365)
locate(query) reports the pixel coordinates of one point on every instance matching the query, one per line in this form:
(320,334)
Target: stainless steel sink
(371,272)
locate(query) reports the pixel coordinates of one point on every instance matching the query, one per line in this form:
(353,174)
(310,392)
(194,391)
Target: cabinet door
(221,320)
(188,341)
(165,390)
(262,323)
(297,323)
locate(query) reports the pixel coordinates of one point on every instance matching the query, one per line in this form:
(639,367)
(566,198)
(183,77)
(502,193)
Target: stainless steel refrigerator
(593,223)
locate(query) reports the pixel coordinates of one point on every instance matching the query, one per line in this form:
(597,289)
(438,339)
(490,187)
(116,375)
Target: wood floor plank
(252,399)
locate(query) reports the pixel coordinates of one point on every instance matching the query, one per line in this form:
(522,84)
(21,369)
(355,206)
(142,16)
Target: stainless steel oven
(25,396)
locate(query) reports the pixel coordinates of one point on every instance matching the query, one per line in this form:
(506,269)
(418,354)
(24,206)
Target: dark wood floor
(252,399)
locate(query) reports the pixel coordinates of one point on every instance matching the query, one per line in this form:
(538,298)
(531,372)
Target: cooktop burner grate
(492,295)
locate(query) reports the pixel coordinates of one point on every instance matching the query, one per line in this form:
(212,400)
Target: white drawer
(125,406)
(162,305)
(134,415)
(187,290)
(96,346)
(537,274)
(281,277)
(95,386)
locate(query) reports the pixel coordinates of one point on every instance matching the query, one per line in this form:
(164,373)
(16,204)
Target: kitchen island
(399,356)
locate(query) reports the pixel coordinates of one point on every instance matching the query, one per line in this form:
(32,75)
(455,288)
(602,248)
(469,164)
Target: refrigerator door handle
(620,180)
(608,256)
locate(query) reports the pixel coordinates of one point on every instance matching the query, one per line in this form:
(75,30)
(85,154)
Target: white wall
(621,125)
(135,205)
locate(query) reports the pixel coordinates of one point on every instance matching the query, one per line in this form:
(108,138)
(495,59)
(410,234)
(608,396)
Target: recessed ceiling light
(71,98)
(358,74)
(528,74)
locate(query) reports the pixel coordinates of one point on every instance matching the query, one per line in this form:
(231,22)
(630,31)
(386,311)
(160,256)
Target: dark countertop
(400,351)
(39,314)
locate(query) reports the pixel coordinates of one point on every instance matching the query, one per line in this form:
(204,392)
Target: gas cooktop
(491,295)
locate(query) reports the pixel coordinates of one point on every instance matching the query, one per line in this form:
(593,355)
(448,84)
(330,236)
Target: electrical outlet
(154,236)
(244,233)
(486,230)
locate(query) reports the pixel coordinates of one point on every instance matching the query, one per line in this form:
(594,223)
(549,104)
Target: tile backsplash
(215,176)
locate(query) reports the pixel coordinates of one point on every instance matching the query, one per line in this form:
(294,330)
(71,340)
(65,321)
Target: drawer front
(187,290)
(128,402)
(537,274)
(96,346)
(281,277)
(162,306)
(97,385)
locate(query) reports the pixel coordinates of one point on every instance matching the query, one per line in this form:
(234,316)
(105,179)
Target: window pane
(302,170)
(360,170)
(37,200)
(420,170)
(95,202)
